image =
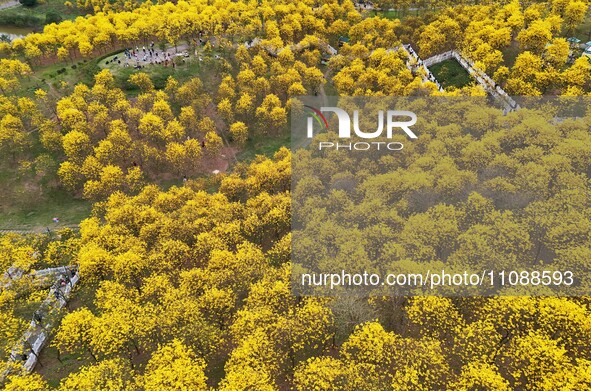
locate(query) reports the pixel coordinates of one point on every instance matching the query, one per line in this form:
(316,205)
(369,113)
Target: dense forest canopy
(144,146)
(476,190)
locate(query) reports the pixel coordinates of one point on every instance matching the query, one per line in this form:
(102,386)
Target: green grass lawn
(54,370)
(36,16)
(330,89)
(35,211)
(583,32)
(451,74)
(206,69)
(264,145)
(191,67)
(83,71)
(51,76)
(402,13)
(30,198)
(28,204)
(385,14)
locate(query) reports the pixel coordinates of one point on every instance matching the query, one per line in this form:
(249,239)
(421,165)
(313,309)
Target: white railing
(489,85)
(34,339)
(420,64)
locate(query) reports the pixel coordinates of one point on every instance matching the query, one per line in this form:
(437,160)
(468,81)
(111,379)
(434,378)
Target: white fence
(489,85)
(38,277)
(29,347)
(420,64)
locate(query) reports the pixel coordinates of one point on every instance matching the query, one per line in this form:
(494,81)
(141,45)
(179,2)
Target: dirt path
(39,230)
(322,92)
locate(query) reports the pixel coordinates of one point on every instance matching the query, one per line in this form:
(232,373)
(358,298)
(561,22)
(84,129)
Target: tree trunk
(92,354)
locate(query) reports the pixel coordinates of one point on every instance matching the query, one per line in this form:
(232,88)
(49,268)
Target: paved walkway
(141,57)
(40,278)
(38,230)
(18,231)
(9,4)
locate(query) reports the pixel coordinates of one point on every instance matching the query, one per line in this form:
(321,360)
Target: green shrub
(52,17)
(28,3)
